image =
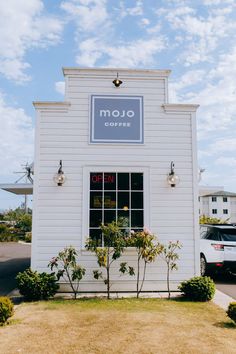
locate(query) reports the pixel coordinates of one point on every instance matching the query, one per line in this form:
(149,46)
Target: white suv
(217,248)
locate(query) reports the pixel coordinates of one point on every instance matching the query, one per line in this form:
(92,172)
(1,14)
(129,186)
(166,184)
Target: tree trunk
(138,271)
(108,275)
(168,280)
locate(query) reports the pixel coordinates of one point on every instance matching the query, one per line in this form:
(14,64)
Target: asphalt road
(15,258)
(227,284)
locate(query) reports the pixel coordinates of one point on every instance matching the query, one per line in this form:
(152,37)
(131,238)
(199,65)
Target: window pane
(109,216)
(123,181)
(123,200)
(123,218)
(137,181)
(96,234)
(95,219)
(109,181)
(96,181)
(95,200)
(137,200)
(109,200)
(136,218)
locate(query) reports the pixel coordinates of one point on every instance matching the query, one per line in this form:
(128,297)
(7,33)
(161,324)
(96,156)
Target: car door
(228,237)
(211,246)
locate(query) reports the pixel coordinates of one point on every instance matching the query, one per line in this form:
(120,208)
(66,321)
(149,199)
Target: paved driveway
(14,258)
(227,284)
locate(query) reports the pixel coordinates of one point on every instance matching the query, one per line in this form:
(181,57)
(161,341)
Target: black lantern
(172,178)
(59,177)
(117,82)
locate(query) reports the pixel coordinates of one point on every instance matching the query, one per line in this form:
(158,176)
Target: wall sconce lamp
(172,178)
(117,82)
(59,177)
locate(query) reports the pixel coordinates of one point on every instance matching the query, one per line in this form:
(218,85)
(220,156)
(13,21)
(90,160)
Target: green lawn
(118,326)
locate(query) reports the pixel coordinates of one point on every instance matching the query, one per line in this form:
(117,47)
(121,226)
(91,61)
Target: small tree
(67,267)
(170,256)
(114,244)
(147,251)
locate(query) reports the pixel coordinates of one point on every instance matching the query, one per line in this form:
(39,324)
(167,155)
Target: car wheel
(203,265)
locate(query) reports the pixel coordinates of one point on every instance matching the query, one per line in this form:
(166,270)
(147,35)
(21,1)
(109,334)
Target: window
(214,211)
(115,197)
(225,211)
(212,234)
(225,199)
(213,199)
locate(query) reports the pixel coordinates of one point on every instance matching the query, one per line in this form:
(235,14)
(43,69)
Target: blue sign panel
(116,119)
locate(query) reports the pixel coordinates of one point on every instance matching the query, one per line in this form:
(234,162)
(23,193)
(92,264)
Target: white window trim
(86,191)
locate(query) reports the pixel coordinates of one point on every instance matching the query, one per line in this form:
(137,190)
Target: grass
(100,326)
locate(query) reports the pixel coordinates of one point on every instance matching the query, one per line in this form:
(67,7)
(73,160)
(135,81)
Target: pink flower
(132,232)
(147,231)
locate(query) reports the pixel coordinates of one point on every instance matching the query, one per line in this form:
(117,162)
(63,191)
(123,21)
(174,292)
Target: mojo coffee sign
(116,119)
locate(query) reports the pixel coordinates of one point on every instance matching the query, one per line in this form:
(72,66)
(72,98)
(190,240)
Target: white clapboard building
(116,142)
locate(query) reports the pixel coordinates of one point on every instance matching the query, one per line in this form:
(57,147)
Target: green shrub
(198,288)
(28,237)
(231,312)
(6,309)
(36,286)
(8,238)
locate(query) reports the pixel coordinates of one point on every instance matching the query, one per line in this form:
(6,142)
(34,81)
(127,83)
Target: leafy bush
(6,309)
(198,288)
(8,238)
(231,312)
(28,237)
(36,286)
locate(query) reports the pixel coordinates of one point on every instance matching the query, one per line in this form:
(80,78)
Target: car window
(213,234)
(228,234)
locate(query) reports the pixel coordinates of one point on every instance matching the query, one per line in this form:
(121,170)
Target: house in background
(215,202)
(116,145)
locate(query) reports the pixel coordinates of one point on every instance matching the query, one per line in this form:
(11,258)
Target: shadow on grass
(224,324)
(186,299)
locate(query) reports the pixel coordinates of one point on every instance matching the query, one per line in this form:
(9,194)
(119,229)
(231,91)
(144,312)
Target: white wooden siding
(63,134)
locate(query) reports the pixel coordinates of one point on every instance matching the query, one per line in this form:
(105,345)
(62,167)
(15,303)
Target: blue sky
(195,39)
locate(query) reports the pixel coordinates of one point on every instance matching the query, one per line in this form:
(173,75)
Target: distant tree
(18,222)
(203,219)
(24,223)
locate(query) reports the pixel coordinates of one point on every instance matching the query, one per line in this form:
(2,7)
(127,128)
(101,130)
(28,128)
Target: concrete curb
(222,300)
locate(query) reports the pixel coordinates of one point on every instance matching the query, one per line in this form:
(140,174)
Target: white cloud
(188,79)
(226,161)
(202,32)
(135,54)
(138,53)
(90,50)
(136,10)
(217,2)
(144,22)
(24,26)
(89,15)
(154,29)
(16,136)
(60,87)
